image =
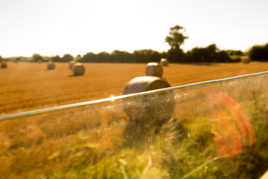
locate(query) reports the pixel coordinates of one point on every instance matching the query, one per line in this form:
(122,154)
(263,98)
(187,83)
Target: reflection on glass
(213,131)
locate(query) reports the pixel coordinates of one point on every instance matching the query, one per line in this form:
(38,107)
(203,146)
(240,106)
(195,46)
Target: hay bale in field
(153,109)
(3,65)
(71,63)
(164,62)
(51,66)
(78,69)
(154,69)
(245,60)
(147,113)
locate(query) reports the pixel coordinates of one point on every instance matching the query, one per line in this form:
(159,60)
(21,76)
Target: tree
(121,56)
(89,57)
(235,52)
(103,56)
(259,52)
(67,57)
(209,54)
(176,37)
(175,55)
(56,58)
(37,58)
(146,55)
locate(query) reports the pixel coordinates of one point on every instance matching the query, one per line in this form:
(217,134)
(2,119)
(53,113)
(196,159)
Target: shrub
(259,52)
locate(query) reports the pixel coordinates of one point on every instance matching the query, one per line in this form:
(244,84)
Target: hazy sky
(52,27)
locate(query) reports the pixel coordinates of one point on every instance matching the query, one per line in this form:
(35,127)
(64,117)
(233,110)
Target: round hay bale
(71,63)
(78,69)
(147,113)
(3,65)
(153,108)
(51,66)
(154,69)
(245,60)
(164,62)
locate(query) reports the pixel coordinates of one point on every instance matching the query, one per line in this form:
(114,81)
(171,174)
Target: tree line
(175,39)
(197,55)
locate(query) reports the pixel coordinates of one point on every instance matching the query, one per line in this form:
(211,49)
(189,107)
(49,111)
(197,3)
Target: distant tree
(37,58)
(176,37)
(175,55)
(210,53)
(89,57)
(223,56)
(146,55)
(121,56)
(235,52)
(103,57)
(259,52)
(199,54)
(212,49)
(78,58)
(67,57)
(56,58)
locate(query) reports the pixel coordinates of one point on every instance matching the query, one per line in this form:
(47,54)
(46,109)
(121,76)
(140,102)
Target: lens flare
(231,128)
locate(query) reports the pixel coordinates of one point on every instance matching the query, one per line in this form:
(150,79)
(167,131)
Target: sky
(51,27)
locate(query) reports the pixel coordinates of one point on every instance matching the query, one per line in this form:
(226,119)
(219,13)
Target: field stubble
(88,142)
(25,86)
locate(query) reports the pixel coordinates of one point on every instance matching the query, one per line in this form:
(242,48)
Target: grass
(89,142)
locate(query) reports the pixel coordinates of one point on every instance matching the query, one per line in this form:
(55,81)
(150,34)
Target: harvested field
(93,141)
(27,86)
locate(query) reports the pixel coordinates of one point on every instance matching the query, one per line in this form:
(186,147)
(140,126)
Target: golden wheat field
(92,141)
(26,86)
